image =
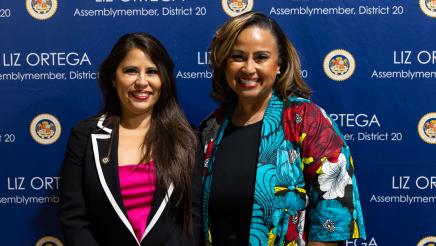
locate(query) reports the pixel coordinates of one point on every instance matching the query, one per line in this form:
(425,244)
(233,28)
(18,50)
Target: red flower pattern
(316,127)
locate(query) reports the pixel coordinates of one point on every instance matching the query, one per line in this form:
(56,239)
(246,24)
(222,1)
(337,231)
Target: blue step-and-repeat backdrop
(371,64)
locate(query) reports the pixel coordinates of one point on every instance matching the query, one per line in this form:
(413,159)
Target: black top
(231,200)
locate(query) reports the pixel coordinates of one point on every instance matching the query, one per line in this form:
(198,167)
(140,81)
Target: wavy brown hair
(289,83)
(170,140)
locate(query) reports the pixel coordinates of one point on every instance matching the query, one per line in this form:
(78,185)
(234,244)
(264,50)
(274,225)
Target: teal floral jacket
(305,189)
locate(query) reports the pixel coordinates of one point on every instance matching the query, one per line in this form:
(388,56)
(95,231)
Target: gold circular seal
(49,241)
(339,65)
(428,7)
(45,129)
(236,7)
(41,9)
(427,241)
(427,128)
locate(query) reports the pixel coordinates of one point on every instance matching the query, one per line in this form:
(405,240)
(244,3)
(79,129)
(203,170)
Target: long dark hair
(289,83)
(170,140)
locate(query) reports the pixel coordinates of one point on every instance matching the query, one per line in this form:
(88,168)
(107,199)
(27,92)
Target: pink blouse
(138,183)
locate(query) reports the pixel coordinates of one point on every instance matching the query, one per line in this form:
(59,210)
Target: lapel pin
(105,160)
(298,118)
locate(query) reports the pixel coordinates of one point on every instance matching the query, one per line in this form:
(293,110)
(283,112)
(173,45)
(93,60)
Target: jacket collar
(100,124)
(107,170)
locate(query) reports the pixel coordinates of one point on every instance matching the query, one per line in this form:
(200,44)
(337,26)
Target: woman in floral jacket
(276,170)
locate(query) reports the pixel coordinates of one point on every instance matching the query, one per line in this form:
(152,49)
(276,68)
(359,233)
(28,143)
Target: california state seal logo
(339,65)
(427,128)
(236,7)
(49,241)
(41,9)
(428,7)
(427,241)
(45,129)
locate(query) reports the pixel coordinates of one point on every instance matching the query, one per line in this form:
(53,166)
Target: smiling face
(253,65)
(138,84)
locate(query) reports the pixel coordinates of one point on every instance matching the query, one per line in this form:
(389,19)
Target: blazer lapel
(271,138)
(160,201)
(107,170)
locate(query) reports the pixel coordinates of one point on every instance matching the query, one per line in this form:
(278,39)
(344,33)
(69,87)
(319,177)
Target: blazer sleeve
(73,214)
(196,198)
(334,211)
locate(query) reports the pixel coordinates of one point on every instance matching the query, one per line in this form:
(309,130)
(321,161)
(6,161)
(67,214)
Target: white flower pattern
(300,240)
(334,178)
(293,155)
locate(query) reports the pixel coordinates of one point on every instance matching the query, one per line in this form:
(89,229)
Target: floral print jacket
(305,189)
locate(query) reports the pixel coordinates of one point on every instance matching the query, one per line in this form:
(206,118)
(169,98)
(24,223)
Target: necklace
(243,120)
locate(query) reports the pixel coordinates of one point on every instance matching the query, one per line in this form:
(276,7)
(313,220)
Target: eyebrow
(129,66)
(135,66)
(257,52)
